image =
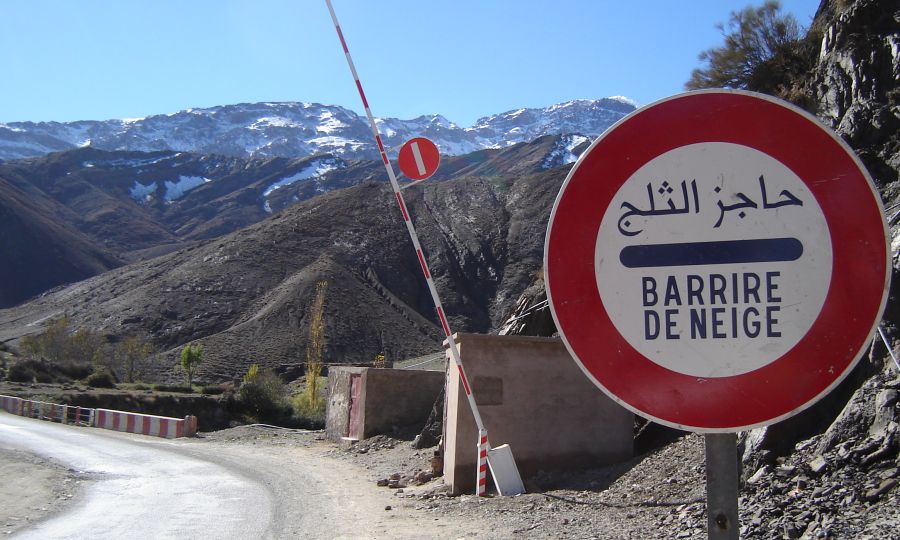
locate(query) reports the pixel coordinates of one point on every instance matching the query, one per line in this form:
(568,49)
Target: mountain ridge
(301,129)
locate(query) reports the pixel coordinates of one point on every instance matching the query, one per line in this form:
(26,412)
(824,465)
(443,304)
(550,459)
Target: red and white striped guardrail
(146,424)
(143,424)
(53,412)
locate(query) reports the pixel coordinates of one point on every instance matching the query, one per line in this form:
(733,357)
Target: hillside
(246,295)
(133,206)
(40,247)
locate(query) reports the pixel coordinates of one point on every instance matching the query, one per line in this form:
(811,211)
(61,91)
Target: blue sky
(95,60)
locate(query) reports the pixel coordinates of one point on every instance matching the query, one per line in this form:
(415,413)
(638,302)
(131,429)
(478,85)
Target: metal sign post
(722,474)
(482,445)
(715,262)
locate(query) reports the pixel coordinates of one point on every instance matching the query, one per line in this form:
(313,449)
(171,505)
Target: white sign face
(713,260)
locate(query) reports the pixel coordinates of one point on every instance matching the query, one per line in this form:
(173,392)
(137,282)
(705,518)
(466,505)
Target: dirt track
(33,488)
(321,490)
(302,490)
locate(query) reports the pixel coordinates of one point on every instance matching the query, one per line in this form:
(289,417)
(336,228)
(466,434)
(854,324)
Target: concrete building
(534,397)
(363,402)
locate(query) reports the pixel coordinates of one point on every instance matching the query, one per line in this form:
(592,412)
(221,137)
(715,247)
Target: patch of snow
(337,142)
(177,189)
(575,141)
(140,192)
(562,153)
(125,163)
(625,100)
(316,168)
(329,123)
(384,128)
(274,121)
(566,104)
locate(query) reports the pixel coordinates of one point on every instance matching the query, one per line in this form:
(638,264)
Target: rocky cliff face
(854,82)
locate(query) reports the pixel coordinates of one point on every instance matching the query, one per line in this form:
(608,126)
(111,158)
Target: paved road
(142,487)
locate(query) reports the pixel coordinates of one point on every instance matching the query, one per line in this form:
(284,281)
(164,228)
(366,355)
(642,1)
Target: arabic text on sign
(688,201)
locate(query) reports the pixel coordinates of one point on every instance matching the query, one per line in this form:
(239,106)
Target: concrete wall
(388,398)
(533,396)
(337,408)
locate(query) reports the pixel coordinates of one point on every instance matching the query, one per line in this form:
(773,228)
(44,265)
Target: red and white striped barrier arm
(401,202)
(483,448)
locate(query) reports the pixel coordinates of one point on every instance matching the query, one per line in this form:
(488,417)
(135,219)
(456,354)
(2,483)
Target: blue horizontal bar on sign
(723,252)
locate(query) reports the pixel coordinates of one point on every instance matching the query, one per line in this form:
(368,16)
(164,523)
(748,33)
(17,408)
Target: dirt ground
(657,495)
(33,489)
(633,500)
(379,488)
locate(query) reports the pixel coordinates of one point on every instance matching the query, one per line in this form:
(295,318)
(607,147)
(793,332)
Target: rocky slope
(303,129)
(135,205)
(246,295)
(40,247)
(853,83)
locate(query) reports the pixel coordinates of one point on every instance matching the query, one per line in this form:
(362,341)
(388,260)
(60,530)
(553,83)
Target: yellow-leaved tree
(310,403)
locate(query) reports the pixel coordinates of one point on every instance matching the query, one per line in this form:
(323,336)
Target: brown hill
(246,295)
(135,205)
(39,249)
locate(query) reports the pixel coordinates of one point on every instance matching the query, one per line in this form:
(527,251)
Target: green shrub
(263,396)
(213,389)
(173,388)
(754,36)
(191,358)
(30,371)
(75,371)
(21,372)
(308,407)
(101,378)
(26,370)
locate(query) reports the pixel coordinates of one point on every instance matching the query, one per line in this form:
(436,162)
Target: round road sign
(717,261)
(419,158)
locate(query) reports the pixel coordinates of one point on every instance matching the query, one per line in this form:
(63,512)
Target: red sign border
(824,356)
(427,158)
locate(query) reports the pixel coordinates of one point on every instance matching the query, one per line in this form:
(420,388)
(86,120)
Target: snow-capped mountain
(303,129)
